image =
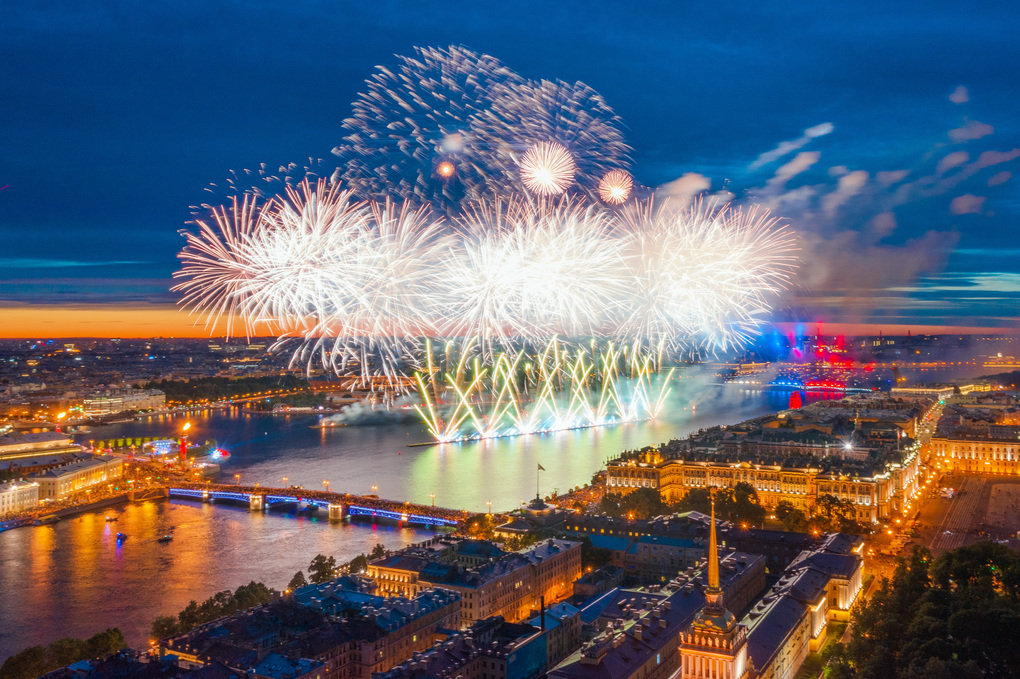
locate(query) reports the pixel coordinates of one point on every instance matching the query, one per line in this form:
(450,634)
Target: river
(71,579)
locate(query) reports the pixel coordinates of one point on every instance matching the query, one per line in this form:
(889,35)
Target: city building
(648,548)
(979,437)
(321,628)
(14,445)
(784,626)
(714,644)
(636,634)
(858,449)
(492,582)
(16,496)
(59,482)
(111,402)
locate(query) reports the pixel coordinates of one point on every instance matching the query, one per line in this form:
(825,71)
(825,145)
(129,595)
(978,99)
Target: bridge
(339,506)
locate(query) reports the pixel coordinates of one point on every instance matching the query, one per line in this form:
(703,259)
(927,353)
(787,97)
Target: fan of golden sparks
(547,168)
(615,187)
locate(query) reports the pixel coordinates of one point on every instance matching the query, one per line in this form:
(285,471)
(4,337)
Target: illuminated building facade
(510,585)
(16,496)
(715,644)
(875,498)
(956,455)
(59,482)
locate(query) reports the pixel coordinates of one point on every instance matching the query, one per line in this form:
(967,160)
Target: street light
(433,496)
(237,478)
(284,481)
(375,490)
(325,484)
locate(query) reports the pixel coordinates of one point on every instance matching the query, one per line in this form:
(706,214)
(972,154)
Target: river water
(71,578)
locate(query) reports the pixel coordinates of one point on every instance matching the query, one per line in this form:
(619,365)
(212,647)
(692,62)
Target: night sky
(886,133)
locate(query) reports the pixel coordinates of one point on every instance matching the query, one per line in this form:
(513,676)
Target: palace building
(876,496)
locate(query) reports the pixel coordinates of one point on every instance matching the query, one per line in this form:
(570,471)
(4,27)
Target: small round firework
(615,187)
(547,169)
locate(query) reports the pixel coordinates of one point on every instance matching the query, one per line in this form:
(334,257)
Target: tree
(955,617)
(610,504)
(593,557)
(643,503)
(793,519)
(358,564)
(297,581)
(104,643)
(165,626)
(66,651)
(480,525)
(377,552)
(321,569)
(742,505)
(696,500)
(27,664)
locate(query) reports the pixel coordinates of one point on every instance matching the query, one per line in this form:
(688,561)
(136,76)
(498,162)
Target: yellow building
(875,498)
(511,585)
(715,644)
(956,455)
(59,482)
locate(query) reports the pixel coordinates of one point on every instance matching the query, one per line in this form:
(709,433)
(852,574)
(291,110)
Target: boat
(327,425)
(165,538)
(121,537)
(111,519)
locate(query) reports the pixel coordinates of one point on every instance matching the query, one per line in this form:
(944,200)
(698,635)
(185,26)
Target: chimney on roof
(542,609)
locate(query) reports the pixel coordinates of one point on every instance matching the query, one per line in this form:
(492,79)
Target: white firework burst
(547,169)
(408,136)
(572,115)
(704,274)
(527,271)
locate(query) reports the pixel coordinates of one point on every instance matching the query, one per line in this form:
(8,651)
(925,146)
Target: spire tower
(715,644)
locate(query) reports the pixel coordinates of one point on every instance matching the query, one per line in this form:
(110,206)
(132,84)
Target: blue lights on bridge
(352,510)
(397,516)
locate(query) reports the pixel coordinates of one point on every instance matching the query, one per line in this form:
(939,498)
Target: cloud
(28,263)
(838,170)
(967,204)
(951,160)
(849,266)
(848,186)
(890,177)
(989,158)
(960,95)
(799,163)
(722,197)
(883,224)
(1000,178)
(689,184)
(787,147)
(972,129)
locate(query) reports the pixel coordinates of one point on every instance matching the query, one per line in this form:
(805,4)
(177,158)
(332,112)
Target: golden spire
(713,553)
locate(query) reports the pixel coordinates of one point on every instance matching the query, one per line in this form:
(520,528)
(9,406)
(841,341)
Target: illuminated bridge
(338,505)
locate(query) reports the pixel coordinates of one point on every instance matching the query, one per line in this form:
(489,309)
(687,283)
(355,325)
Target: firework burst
(216,278)
(615,187)
(527,270)
(547,169)
(704,274)
(409,137)
(572,115)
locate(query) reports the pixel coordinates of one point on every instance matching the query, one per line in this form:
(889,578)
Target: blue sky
(116,116)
